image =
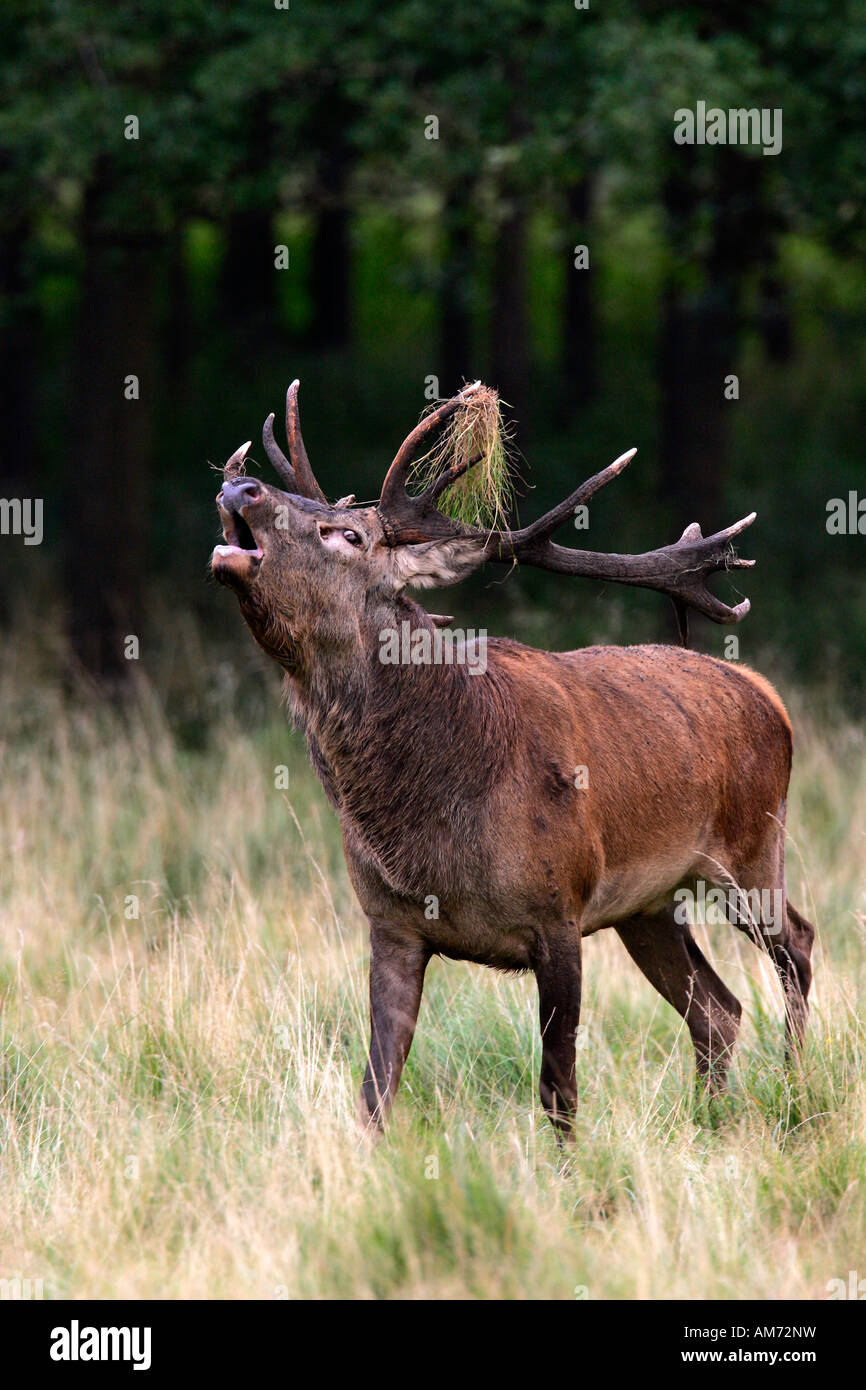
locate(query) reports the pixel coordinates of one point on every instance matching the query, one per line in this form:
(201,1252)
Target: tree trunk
(330,279)
(18,347)
(249,291)
(111,454)
(578,371)
(179,327)
(698,350)
(456,358)
(331,260)
(775,319)
(700,332)
(508,323)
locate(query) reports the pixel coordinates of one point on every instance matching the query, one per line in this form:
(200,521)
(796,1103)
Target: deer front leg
(397,966)
(559,979)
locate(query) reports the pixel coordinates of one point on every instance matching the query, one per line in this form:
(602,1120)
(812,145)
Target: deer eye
(352,537)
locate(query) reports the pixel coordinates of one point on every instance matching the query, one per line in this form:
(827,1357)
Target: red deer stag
(458,788)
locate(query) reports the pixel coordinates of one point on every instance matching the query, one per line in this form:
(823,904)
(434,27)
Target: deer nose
(237,492)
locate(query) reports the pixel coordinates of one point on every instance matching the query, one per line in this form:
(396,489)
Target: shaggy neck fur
(407,754)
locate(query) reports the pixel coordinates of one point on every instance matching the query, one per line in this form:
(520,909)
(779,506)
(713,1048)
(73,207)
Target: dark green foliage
(413,258)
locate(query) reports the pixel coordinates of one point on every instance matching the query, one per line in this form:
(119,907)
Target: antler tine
(277,457)
(679,570)
(394,494)
(449,475)
(298,476)
(547,524)
(693,532)
(234,465)
(307,485)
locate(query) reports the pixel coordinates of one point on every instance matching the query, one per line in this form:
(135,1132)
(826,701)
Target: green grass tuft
(484,495)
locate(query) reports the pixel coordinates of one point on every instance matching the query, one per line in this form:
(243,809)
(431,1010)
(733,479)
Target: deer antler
(297,475)
(235,464)
(406,518)
(679,570)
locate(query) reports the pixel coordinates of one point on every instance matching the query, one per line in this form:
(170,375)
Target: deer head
(308,574)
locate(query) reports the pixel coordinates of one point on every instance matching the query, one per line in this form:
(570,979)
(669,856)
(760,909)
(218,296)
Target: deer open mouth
(239,534)
(241,555)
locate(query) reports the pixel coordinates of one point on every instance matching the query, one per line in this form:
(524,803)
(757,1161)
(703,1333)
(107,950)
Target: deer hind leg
(558,974)
(797,947)
(670,958)
(787,938)
(761,909)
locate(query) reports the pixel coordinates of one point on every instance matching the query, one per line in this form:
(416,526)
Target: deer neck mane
(387,738)
(340,696)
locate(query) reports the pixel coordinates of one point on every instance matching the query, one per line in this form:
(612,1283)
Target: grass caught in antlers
(484,495)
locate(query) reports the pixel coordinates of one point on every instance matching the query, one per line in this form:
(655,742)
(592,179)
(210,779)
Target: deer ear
(433,564)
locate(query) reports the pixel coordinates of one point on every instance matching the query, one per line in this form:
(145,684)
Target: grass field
(178,1086)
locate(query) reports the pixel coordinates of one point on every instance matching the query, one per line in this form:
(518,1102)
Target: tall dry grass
(177,1087)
